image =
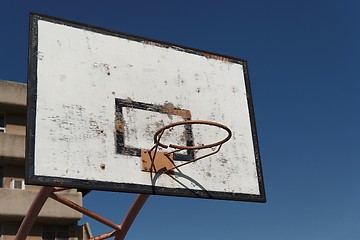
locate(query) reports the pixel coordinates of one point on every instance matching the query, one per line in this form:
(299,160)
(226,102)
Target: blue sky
(304,64)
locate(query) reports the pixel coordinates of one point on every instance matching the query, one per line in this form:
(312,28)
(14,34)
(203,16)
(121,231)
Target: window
(55,232)
(17,184)
(2,122)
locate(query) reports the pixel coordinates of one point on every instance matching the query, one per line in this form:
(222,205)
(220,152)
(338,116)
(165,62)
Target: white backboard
(96,97)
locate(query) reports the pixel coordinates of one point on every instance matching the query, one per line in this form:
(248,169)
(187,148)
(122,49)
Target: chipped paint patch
(170,108)
(102,67)
(217,57)
(156,44)
(120,125)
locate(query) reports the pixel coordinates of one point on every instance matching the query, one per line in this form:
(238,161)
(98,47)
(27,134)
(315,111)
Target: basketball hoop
(163,161)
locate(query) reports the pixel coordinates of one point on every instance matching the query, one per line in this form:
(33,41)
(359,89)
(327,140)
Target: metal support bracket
(119,232)
(152,161)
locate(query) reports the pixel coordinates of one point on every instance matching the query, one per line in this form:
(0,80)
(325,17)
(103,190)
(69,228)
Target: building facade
(55,221)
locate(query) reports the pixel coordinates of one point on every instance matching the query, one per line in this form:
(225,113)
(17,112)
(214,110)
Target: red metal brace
(131,215)
(119,232)
(33,212)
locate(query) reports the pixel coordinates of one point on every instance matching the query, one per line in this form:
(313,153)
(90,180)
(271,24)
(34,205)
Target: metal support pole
(33,212)
(46,192)
(84,211)
(131,215)
(104,236)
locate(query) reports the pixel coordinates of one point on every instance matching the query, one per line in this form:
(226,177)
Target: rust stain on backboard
(178,48)
(217,57)
(153,43)
(120,125)
(169,108)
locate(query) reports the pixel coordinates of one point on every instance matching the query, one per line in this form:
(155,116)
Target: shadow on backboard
(175,176)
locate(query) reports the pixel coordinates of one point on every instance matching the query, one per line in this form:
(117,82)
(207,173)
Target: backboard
(97,97)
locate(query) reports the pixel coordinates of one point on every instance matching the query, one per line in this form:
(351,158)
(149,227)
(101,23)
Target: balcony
(13,96)
(12,148)
(16,203)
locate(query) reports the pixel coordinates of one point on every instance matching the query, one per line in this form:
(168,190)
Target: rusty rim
(158,134)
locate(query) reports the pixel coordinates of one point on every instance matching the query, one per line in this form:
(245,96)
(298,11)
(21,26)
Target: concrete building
(55,221)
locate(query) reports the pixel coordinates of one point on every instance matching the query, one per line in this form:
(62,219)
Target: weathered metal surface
(96,98)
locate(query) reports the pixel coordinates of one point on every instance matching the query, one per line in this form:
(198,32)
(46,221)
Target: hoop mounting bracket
(156,162)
